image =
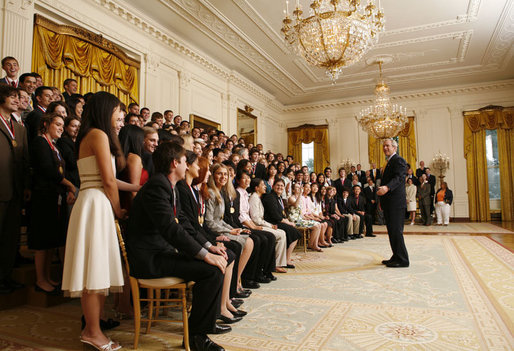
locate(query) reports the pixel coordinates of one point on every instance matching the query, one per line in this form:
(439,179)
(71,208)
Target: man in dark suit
(392,193)
(258,170)
(353,229)
(70,86)
(342,183)
(370,193)
(44,96)
(328,176)
(431,180)
(425,200)
(421,170)
(361,174)
(352,173)
(11,67)
(14,182)
(374,173)
(359,205)
(158,246)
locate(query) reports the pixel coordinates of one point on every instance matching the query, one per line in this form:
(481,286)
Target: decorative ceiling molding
(502,85)
(470,16)
(501,43)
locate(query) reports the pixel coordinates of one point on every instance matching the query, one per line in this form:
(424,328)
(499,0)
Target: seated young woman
(256,217)
(214,213)
(297,213)
(274,213)
(318,195)
(332,211)
(314,213)
(262,262)
(188,210)
(243,181)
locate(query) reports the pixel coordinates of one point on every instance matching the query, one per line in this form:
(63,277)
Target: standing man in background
(392,193)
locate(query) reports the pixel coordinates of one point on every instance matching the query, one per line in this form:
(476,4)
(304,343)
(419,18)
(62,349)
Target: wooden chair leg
(157,303)
(185,322)
(305,240)
(137,313)
(150,309)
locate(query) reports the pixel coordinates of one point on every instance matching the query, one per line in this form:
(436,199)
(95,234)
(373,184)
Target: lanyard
(10,127)
(53,147)
(199,201)
(41,108)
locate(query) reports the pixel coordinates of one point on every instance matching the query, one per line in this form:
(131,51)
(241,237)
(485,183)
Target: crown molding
(449,91)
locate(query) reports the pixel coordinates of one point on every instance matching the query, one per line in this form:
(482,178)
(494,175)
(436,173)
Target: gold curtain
(406,145)
(60,52)
(475,125)
(307,134)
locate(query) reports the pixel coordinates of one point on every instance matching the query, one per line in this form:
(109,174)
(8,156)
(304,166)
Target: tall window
(493,168)
(308,156)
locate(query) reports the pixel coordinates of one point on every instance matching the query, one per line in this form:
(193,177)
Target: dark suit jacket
(67,147)
(32,124)
(415,180)
(260,171)
(45,164)
(420,172)
(232,218)
(361,206)
(4,81)
(370,195)
(362,176)
(345,208)
(152,231)
(14,162)
(431,180)
(188,214)
(376,176)
(66,96)
(340,186)
(394,178)
(272,209)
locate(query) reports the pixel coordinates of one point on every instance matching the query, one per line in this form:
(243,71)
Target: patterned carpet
(458,294)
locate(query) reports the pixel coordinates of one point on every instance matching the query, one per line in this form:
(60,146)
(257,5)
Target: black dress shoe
(262,279)
(5,288)
(250,284)
(270,276)
(352,237)
(358,236)
(371,235)
(222,329)
(241,295)
(229,320)
(54,292)
(335,241)
(201,342)
(239,313)
(236,302)
(387,261)
(396,264)
(290,266)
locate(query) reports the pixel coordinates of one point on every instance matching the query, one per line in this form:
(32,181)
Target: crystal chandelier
(441,163)
(347,164)
(336,34)
(383,120)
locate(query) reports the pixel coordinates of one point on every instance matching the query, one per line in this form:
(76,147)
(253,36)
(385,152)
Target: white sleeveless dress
(92,260)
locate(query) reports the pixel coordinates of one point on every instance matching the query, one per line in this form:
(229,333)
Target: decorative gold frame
(90,37)
(247,111)
(194,119)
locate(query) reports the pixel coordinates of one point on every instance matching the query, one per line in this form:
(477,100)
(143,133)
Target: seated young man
(158,246)
(346,210)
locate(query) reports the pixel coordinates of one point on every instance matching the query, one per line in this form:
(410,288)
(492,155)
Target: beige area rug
(452,228)
(458,294)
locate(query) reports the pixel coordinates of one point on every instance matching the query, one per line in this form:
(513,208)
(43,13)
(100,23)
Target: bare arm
(134,169)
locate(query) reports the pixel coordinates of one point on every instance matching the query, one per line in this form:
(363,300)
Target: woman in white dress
(92,265)
(411,190)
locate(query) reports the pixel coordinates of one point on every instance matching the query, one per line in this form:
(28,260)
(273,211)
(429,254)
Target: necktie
(13,83)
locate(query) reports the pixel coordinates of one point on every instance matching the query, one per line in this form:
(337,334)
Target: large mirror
(247,125)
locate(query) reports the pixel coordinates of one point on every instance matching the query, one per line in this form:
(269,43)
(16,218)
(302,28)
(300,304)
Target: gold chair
(154,299)
(305,234)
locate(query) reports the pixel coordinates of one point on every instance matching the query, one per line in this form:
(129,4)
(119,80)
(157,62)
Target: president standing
(392,193)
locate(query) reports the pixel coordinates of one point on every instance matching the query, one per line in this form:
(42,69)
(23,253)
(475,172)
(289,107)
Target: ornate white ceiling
(433,44)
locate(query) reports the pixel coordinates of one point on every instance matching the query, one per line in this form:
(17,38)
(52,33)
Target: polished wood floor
(506,240)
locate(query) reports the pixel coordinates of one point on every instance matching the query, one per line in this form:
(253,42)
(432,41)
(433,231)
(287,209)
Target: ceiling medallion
(383,119)
(336,34)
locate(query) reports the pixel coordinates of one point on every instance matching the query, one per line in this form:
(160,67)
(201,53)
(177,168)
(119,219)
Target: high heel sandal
(106,347)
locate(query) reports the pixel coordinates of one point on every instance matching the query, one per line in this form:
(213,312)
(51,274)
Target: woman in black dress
(50,193)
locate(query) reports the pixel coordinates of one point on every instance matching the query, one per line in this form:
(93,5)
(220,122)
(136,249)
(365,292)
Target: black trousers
(268,242)
(366,220)
(10,220)
(206,291)
(235,248)
(292,234)
(394,223)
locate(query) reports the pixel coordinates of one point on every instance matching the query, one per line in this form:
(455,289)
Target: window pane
(493,163)
(308,156)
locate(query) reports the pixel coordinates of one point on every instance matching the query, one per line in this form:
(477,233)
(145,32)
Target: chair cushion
(161,282)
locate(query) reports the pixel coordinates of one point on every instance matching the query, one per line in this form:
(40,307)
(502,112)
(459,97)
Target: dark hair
(132,104)
(72,105)
(229,164)
(123,107)
(190,157)
(88,96)
(254,150)
(240,173)
(215,152)
(131,140)
(129,116)
(144,108)
(268,171)
(98,114)
(242,163)
(254,183)
(37,75)
(68,120)
(47,119)
(326,169)
(53,105)
(165,154)
(4,60)
(156,115)
(167,111)
(279,180)
(39,90)
(25,75)
(68,81)
(6,91)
